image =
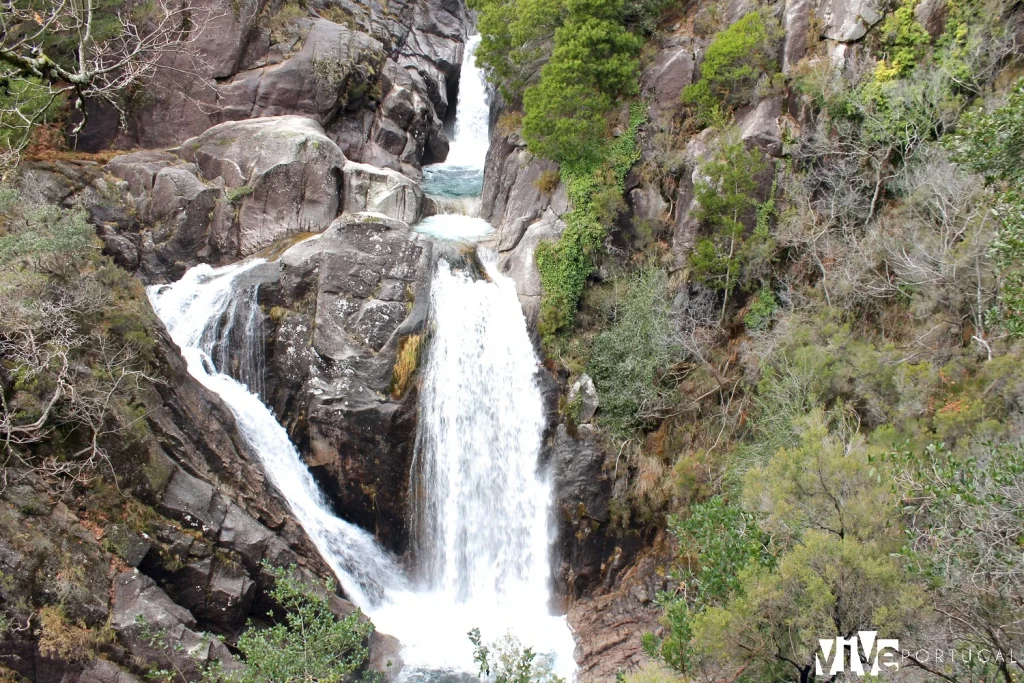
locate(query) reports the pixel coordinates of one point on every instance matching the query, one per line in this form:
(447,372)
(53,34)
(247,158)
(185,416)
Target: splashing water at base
(192,309)
(481,506)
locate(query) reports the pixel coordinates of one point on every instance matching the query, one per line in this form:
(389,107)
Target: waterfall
(460,176)
(481,504)
(198,311)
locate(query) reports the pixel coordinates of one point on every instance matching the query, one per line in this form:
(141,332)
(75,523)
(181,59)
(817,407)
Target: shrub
(761,309)
(548,181)
(992,144)
(507,661)
(311,645)
(509,123)
(733,63)
(632,361)
(565,265)
(727,199)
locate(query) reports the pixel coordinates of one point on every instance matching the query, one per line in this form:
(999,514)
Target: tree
(594,61)
(966,512)
(992,143)
(507,661)
(54,51)
(726,194)
(833,519)
(72,345)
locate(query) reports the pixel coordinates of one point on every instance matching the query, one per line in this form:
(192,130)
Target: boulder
(348,301)
(155,629)
(284,173)
(847,20)
(583,493)
(759,127)
(932,14)
(584,390)
(383,191)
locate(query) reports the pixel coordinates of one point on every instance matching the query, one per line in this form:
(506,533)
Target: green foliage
(992,144)
(733,63)
(507,661)
(565,265)
(716,541)
(905,42)
(593,63)
(760,310)
(44,232)
(726,193)
(312,644)
(632,361)
(515,39)
(824,587)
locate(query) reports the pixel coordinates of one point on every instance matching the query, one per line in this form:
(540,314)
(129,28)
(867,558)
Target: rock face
(522,214)
(383,191)
(343,307)
(377,76)
(224,195)
(610,624)
(847,20)
(180,554)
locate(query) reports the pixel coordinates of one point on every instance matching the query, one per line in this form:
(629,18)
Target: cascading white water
(456,183)
(481,504)
(472,137)
(193,309)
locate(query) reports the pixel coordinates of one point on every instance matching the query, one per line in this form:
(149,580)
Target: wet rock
(349,299)
(583,493)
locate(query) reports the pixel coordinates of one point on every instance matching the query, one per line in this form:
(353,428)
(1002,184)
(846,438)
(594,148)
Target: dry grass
(510,122)
(59,638)
(405,365)
(548,181)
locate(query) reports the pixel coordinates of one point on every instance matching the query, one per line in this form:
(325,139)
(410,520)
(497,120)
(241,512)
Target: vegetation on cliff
(819,398)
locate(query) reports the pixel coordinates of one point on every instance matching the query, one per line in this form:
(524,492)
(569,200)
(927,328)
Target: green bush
(632,360)
(992,144)
(593,63)
(733,63)
(311,645)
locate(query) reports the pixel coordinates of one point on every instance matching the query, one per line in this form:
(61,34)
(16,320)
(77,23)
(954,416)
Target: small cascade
(201,312)
(236,340)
